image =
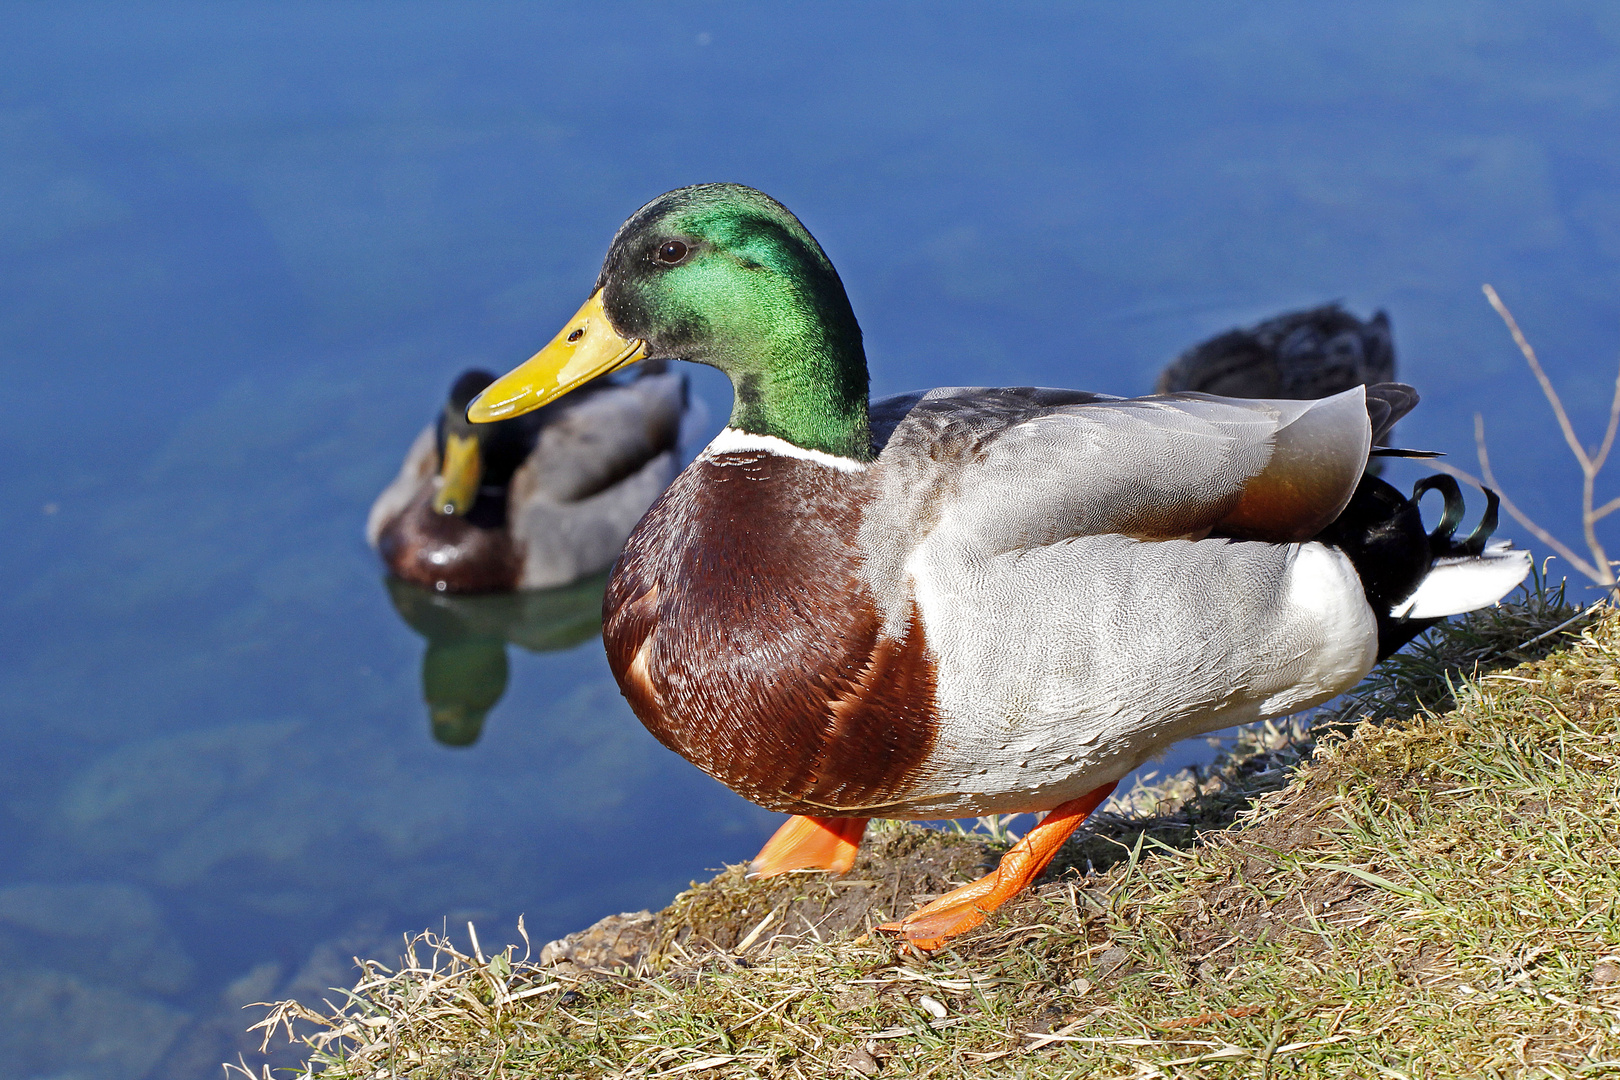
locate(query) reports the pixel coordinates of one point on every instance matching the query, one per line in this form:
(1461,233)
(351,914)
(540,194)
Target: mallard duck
(1300,354)
(464,668)
(966,601)
(533,502)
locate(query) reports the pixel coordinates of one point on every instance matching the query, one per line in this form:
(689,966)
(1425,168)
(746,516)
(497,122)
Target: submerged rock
(53,1024)
(108,932)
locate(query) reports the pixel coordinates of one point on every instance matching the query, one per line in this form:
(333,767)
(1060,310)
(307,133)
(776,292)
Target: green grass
(1433,894)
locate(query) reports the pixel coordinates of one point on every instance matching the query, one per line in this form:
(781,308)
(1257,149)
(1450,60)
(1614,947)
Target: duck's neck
(812,392)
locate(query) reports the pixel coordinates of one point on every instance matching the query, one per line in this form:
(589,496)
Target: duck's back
(1097,577)
(596,467)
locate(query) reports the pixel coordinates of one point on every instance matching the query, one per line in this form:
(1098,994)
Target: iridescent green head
(723,275)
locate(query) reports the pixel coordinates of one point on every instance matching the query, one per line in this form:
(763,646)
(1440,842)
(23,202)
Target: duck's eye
(672,252)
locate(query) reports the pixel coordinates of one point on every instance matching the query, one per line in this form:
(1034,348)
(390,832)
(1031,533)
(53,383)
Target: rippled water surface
(244,247)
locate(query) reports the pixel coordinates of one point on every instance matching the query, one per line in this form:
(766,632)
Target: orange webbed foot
(810,843)
(960,910)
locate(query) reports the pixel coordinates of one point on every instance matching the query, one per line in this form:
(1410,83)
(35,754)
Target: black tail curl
(1440,539)
(1381,531)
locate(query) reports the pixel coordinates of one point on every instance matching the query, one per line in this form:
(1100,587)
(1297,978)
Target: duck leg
(962,909)
(810,843)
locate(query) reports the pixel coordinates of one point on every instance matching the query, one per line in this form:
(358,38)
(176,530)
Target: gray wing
(602,438)
(1014,469)
(421,462)
(565,541)
(594,471)
(1010,401)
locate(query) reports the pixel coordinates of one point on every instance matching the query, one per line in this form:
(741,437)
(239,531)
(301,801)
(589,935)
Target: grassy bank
(1436,893)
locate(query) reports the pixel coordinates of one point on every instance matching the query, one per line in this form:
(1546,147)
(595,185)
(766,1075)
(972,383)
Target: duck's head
(462,679)
(476,459)
(723,275)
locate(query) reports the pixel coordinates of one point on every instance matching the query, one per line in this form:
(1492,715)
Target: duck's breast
(746,639)
(447,552)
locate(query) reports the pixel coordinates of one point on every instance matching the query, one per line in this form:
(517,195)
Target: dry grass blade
(392,1021)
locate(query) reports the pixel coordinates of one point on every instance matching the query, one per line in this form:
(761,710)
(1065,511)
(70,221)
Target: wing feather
(601,438)
(1017,468)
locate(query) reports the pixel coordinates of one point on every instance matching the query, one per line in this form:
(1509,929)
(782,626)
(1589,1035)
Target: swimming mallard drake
(1299,354)
(533,502)
(968,601)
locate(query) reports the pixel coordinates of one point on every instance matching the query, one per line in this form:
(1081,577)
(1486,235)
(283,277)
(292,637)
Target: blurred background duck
(1299,355)
(534,502)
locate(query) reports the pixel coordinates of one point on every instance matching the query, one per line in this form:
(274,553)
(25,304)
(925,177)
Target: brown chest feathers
(743,636)
(448,553)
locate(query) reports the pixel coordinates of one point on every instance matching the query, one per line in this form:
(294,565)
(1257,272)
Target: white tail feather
(1459,583)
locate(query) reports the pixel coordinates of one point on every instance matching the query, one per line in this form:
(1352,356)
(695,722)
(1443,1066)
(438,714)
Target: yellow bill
(462,469)
(586,347)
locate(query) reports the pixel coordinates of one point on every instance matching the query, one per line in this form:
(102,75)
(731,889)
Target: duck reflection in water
(464,669)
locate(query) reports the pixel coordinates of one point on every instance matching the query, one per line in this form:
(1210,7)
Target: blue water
(244,247)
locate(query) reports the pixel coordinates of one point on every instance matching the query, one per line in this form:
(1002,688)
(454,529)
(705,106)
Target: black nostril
(577,334)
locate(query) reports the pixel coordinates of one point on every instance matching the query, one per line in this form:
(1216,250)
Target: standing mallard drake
(970,601)
(533,502)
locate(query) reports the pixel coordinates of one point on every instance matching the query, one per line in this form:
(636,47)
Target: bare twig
(1541,376)
(1608,432)
(1599,567)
